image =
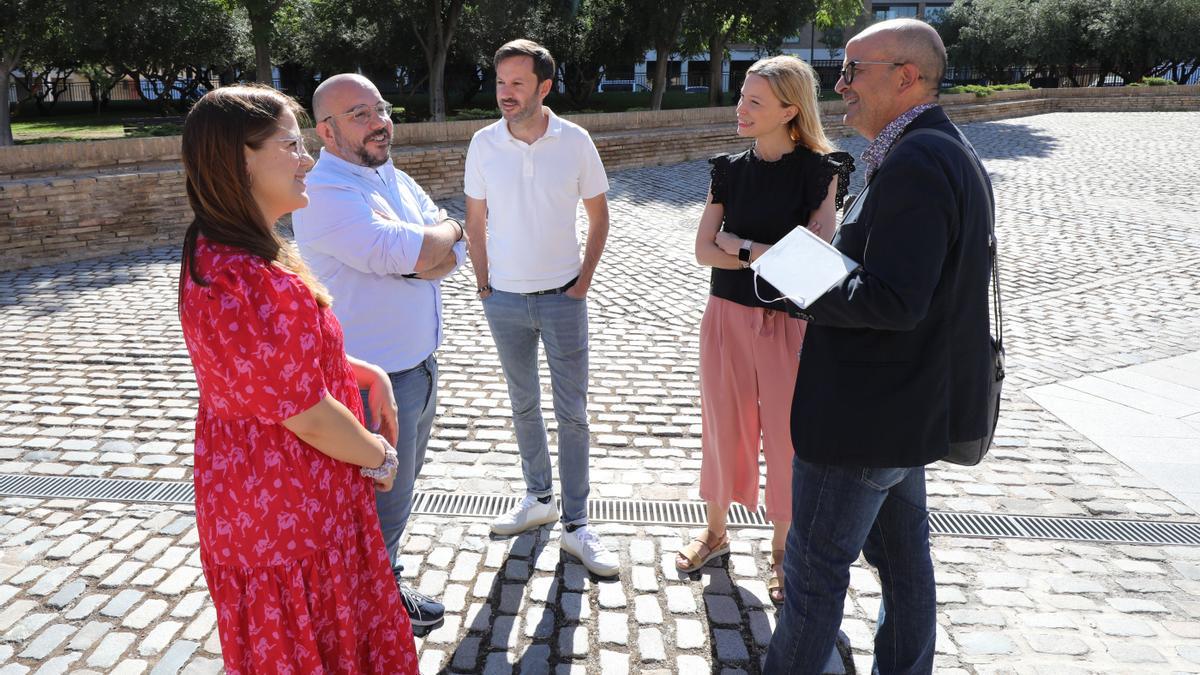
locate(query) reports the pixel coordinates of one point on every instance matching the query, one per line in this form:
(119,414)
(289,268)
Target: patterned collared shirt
(878,149)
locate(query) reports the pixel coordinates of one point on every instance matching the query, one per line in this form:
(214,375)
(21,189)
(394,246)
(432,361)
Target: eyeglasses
(362,114)
(847,73)
(294,145)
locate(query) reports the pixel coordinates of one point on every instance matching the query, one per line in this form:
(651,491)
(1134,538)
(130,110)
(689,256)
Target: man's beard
(372,160)
(365,157)
(524,112)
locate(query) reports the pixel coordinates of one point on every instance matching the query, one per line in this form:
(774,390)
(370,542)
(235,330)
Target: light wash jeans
(415,390)
(517,321)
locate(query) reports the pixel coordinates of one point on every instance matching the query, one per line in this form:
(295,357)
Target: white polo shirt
(532,192)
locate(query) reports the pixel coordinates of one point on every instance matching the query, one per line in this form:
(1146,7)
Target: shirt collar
(878,149)
(335,163)
(553,129)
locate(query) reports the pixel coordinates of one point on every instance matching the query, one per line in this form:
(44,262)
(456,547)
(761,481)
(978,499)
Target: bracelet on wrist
(462,231)
(390,462)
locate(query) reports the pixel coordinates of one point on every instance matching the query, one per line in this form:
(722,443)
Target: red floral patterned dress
(289,537)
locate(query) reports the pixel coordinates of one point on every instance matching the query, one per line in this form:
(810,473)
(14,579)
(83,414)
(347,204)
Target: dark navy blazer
(897,357)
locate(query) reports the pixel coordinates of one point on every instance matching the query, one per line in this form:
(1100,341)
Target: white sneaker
(585,545)
(528,514)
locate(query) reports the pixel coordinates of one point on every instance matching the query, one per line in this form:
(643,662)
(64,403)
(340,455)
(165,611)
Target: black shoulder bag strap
(973,159)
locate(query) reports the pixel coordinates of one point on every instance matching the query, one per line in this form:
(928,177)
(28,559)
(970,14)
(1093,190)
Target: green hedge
(1153,82)
(981,90)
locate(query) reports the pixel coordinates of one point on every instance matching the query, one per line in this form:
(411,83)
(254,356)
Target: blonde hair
(794,82)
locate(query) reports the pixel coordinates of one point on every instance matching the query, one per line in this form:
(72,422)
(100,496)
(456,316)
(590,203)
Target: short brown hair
(543,63)
(219,126)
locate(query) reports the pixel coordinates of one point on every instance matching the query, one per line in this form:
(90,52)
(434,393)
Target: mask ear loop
(760,297)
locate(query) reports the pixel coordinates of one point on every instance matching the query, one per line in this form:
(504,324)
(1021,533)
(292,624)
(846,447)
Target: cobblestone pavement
(1099,219)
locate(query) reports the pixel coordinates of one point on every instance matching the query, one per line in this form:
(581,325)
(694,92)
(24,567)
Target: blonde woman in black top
(749,346)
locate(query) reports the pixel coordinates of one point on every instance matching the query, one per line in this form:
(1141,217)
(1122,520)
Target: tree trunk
(716,58)
(663,55)
(8,61)
(437,87)
(436,41)
(262,55)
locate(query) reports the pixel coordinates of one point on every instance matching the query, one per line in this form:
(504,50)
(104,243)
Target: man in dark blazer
(890,357)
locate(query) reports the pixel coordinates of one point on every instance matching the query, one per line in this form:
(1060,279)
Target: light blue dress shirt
(361,231)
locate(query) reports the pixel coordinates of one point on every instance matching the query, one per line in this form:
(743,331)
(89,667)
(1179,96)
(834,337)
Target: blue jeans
(415,390)
(837,512)
(517,321)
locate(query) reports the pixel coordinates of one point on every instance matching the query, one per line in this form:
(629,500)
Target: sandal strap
(692,551)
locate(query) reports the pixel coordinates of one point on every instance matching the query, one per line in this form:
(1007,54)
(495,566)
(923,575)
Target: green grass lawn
(90,127)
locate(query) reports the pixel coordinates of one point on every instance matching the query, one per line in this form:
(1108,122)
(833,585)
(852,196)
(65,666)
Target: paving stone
(985,643)
(646,610)
(680,600)
(690,634)
(175,658)
(613,662)
(1123,652)
(1046,643)
(466,654)
(159,638)
(89,635)
(730,646)
(67,594)
(48,641)
(1136,605)
(722,610)
(145,614)
(650,645)
(613,628)
(612,594)
(110,649)
(57,665)
(573,642)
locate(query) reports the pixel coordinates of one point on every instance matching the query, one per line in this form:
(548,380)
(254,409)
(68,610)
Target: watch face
(744,254)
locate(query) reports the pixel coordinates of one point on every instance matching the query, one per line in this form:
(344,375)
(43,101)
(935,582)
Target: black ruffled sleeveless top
(764,200)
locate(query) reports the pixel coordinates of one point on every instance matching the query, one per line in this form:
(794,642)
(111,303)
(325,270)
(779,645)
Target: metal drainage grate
(97,489)
(645,512)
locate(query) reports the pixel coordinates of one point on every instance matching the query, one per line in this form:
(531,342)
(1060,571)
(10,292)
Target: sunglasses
(847,73)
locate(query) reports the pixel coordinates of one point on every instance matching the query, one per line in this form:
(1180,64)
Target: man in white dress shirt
(525,176)
(380,245)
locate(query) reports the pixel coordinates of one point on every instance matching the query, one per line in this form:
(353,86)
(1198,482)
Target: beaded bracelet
(390,462)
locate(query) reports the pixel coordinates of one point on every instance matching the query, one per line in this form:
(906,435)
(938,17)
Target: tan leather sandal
(775,584)
(698,553)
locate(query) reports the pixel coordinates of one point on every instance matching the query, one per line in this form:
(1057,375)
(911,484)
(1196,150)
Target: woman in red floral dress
(285,471)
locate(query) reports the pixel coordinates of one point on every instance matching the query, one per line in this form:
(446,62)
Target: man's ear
(324,132)
(544,87)
(910,75)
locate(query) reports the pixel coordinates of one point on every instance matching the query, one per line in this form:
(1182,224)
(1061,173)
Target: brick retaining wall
(71,201)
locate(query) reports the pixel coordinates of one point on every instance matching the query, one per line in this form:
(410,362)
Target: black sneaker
(425,613)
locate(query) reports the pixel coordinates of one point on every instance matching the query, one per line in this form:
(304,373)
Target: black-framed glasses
(362,114)
(847,73)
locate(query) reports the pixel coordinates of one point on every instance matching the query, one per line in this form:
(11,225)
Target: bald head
(910,41)
(339,93)
(360,131)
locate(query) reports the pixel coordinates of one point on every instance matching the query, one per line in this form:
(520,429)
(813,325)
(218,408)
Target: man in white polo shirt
(524,178)
(380,245)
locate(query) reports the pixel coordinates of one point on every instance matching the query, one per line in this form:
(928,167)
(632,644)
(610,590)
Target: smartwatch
(744,253)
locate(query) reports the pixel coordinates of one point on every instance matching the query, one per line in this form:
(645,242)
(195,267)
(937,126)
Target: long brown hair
(218,128)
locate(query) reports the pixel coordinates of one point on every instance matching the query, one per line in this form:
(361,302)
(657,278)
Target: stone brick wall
(71,201)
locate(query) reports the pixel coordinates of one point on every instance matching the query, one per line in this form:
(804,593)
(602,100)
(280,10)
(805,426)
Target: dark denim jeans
(838,512)
(415,390)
